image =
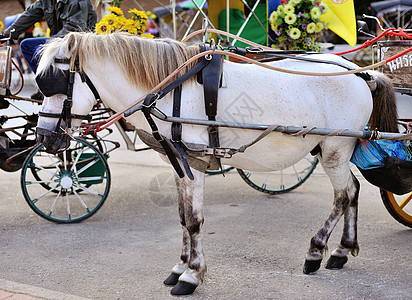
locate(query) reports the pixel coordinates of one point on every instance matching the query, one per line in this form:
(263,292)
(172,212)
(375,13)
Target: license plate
(400,69)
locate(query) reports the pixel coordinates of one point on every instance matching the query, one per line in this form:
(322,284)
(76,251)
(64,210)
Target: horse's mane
(146,62)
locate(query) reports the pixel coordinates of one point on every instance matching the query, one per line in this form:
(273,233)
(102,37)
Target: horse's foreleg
(179,268)
(349,240)
(191,218)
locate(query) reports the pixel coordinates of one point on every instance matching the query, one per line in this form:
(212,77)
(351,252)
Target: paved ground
(254,244)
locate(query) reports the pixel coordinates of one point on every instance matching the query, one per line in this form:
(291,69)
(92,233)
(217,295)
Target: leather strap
(74,116)
(148,102)
(177,127)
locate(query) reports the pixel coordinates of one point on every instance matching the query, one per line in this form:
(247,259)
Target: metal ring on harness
(209,56)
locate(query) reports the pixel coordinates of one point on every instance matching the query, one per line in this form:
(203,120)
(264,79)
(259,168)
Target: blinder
(53,81)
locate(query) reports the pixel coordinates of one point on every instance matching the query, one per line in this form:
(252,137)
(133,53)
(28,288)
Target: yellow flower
(1,25)
(280,9)
(132,30)
(112,21)
(294,33)
(141,26)
(325,7)
(273,17)
(138,14)
(274,26)
(102,27)
(147,35)
(290,19)
(294,2)
(315,13)
(115,10)
(319,27)
(311,27)
(289,9)
(129,25)
(121,20)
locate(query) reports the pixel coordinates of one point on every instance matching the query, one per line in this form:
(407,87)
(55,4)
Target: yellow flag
(341,19)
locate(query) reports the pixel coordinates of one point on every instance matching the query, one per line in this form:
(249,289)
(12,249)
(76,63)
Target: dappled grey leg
(349,240)
(179,268)
(318,243)
(346,190)
(192,219)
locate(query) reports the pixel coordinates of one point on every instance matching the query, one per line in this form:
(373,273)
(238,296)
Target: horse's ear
(71,42)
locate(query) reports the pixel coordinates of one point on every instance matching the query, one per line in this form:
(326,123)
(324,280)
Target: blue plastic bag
(372,154)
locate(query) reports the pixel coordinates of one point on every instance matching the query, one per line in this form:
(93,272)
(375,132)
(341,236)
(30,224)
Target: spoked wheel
(216,172)
(282,181)
(400,207)
(66,187)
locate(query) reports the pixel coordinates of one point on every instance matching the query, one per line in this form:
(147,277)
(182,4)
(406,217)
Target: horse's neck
(115,90)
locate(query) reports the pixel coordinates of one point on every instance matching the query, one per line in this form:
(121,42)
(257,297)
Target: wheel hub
(66,182)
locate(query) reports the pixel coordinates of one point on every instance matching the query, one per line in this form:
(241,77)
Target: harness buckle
(151,100)
(255,50)
(218,152)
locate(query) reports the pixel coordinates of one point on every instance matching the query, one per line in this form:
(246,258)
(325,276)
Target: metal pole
(205,16)
(194,20)
(227,19)
(298,131)
(174,18)
(245,23)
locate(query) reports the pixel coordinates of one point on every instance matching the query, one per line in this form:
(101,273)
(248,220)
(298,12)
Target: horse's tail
(384,114)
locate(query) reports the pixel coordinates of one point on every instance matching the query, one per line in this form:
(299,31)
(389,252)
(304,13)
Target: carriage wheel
(282,181)
(66,187)
(36,172)
(398,206)
(215,172)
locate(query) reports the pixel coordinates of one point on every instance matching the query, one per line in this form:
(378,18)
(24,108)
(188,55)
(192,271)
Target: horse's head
(68,98)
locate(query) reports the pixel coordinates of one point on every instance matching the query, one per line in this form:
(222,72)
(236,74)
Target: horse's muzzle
(52,141)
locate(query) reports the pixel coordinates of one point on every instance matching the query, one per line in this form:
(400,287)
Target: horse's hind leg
(349,240)
(346,190)
(190,271)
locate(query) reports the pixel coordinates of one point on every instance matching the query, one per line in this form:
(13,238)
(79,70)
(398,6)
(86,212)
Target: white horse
(123,68)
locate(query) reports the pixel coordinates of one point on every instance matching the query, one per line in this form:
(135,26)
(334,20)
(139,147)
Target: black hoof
(336,262)
(173,279)
(183,288)
(311,266)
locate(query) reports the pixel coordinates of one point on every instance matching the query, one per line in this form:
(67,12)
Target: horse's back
(252,94)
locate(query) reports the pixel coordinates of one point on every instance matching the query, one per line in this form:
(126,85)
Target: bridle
(66,115)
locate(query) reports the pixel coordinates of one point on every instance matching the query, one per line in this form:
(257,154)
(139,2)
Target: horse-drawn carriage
(72,185)
(262,142)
